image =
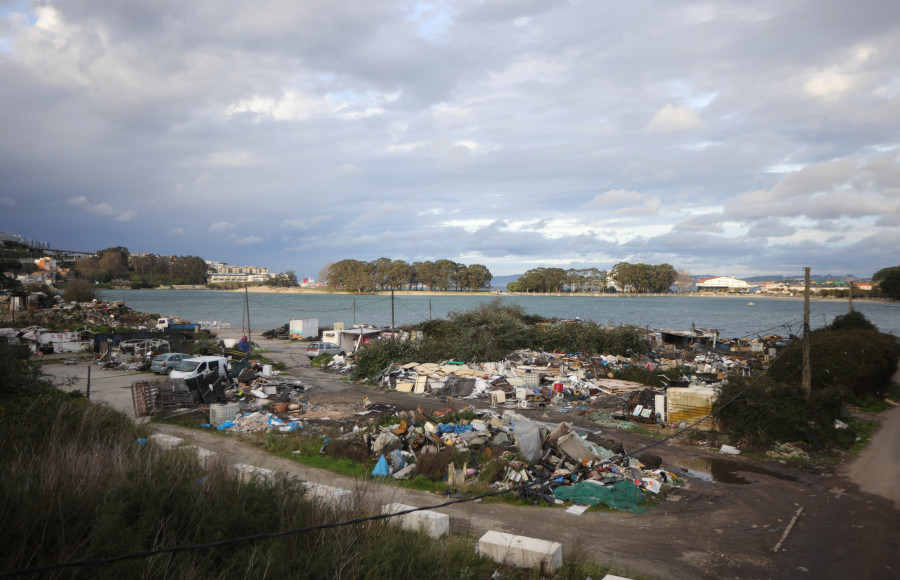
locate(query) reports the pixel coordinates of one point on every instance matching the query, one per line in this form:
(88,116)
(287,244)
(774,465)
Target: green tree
(888,280)
(78,291)
(398,274)
(478,277)
(88,268)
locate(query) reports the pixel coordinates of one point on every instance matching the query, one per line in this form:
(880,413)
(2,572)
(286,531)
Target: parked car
(316,348)
(201,366)
(164,363)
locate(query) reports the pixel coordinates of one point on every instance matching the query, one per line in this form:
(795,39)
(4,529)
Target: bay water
(734,317)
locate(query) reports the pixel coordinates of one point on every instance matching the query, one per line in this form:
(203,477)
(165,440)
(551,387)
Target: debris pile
(556,459)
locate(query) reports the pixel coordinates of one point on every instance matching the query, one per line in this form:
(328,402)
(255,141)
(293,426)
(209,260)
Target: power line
(253,538)
(271,535)
(714,411)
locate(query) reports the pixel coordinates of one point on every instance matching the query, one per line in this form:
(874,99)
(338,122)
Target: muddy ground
(723,524)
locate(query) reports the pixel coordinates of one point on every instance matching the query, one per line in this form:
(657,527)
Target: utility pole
(88,392)
(354,311)
(392,312)
(851,296)
(429,309)
(249,328)
(807,380)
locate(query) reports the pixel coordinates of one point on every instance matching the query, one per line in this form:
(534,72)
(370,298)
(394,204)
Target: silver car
(316,348)
(164,363)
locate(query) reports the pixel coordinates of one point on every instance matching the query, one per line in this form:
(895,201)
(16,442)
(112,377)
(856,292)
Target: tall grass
(76,485)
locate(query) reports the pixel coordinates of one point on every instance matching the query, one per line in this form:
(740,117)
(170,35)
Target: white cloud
(615,198)
(246,241)
(672,118)
(103,209)
(232,159)
(520,132)
(648,207)
(175,232)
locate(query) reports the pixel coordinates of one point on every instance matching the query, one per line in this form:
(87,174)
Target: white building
(727,284)
(225,273)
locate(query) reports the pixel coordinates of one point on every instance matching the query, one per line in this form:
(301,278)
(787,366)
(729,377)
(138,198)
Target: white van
(201,366)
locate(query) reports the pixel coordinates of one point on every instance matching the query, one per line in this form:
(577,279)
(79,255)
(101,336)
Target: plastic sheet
(622,495)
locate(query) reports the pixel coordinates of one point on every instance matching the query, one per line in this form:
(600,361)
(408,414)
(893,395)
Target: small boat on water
(751,304)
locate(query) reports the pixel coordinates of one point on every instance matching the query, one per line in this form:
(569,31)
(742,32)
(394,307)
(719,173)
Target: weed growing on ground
(78,485)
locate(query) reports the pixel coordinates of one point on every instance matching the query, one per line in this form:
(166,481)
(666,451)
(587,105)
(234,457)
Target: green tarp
(622,495)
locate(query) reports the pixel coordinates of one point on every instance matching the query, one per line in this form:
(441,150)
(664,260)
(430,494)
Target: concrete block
(204,455)
(574,446)
(520,550)
(333,496)
(611,577)
(166,441)
(434,524)
(248,473)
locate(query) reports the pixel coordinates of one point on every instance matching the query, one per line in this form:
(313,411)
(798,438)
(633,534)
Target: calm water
(732,316)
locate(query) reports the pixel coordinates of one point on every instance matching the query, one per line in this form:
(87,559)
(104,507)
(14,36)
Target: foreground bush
(76,485)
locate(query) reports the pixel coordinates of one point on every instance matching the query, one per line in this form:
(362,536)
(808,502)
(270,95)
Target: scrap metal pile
(567,383)
(250,394)
(562,464)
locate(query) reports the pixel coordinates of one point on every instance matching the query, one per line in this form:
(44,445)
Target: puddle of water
(714,469)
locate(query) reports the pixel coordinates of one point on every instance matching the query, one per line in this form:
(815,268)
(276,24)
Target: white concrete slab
(434,524)
(520,550)
(248,473)
(166,441)
(204,455)
(333,496)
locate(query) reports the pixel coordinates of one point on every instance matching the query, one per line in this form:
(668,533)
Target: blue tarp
(452,428)
(382,468)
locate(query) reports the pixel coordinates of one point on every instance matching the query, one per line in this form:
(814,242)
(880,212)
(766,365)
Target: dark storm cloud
(738,136)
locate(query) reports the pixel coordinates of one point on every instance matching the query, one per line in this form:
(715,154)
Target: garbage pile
(115,315)
(562,465)
(250,395)
(280,333)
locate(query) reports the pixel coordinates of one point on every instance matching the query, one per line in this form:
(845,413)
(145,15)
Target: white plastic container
(221,412)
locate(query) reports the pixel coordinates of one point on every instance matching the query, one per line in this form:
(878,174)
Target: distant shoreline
(493,294)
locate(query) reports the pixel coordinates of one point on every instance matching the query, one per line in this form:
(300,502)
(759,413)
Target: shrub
(851,321)
(857,361)
(18,375)
(771,412)
(380,354)
(79,291)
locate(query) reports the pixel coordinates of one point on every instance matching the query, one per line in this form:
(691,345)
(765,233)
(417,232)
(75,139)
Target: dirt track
(711,529)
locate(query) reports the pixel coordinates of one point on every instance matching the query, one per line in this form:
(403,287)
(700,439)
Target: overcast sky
(722,137)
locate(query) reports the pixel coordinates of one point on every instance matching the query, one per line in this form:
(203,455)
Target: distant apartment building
(797,287)
(223,273)
(17,239)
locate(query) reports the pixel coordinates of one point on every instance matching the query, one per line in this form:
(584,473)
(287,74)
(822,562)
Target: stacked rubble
(542,463)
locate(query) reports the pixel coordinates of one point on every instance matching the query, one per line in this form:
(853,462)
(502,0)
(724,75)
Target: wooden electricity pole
(807,380)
